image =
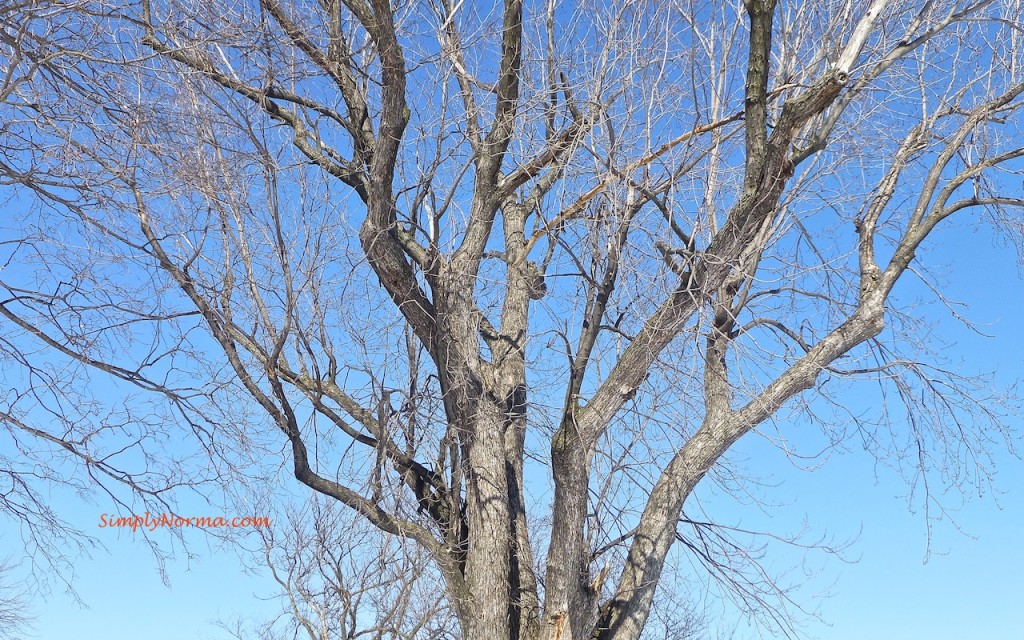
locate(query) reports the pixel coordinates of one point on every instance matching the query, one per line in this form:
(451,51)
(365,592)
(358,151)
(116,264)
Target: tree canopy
(505,281)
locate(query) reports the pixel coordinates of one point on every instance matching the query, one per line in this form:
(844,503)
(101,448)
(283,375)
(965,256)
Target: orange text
(166,520)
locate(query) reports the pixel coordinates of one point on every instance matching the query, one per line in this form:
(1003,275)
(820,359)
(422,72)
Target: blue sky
(970,585)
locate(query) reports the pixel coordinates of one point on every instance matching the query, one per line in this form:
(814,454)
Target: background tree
(337,581)
(15,616)
(445,255)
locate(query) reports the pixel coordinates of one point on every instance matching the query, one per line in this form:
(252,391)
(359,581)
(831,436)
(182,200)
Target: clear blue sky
(970,586)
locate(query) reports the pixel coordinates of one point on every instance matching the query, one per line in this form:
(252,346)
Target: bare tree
(336,581)
(15,616)
(448,254)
